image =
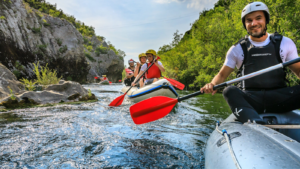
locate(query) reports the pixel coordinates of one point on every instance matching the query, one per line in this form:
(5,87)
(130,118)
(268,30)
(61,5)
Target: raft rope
(225,134)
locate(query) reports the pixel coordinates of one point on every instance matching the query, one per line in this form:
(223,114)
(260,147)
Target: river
(93,135)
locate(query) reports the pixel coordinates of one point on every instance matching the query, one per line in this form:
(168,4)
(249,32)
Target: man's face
(149,57)
(131,64)
(255,23)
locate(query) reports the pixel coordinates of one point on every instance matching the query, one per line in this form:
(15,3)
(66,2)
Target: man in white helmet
(258,50)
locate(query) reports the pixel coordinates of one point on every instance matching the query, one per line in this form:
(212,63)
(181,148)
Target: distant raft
(160,88)
(105,82)
(254,145)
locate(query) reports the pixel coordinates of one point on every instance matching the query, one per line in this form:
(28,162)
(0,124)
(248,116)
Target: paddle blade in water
(152,109)
(118,101)
(176,83)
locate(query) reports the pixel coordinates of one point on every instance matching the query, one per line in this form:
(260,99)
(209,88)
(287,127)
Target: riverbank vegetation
(44,77)
(196,57)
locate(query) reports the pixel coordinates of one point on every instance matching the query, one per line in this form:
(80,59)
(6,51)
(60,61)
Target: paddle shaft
(281,65)
(283,126)
(140,76)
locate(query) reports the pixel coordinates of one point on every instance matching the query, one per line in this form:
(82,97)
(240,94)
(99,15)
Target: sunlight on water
(95,135)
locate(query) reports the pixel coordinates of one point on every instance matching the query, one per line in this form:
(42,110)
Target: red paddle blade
(151,109)
(176,83)
(118,101)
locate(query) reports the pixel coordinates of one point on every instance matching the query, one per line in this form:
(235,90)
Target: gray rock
(26,39)
(68,89)
(61,82)
(9,80)
(43,97)
(2,107)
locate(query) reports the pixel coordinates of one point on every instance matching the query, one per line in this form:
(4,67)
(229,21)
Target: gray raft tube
(254,145)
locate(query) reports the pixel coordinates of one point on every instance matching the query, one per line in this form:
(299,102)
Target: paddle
(175,83)
(158,107)
(119,100)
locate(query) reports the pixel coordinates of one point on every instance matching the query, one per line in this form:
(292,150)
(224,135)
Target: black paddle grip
(291,62)
(219,86)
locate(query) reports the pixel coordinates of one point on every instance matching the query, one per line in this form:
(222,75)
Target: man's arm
(296,69)
(136,70)
(219,78)
(128,76)
(138,76)
(161,68)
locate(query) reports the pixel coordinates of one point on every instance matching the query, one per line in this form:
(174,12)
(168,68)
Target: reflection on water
(93,135)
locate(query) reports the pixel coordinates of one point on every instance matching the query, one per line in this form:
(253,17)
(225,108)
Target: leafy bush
(27,7)
(2,17)
(63,49)
(42,48)
(88,55)
(39,14)
(89,93)
(36,30)
(85,40)
(69,78)
(12,95)
(89,48)
(45,76)
(101,38)
(17,73)
(45,22)
(59,41)
(29,84)
(19,66)
(101,50)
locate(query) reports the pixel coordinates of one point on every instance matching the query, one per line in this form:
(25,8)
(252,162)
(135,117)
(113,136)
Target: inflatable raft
(160,88)
(105,82)
(255,146)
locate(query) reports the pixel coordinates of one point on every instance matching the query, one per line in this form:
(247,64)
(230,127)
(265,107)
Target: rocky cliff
(30,36)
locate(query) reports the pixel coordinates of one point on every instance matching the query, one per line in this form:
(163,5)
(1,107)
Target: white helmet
(255,6)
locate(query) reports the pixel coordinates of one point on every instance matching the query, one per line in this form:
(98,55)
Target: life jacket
(128,81)
(258,58)
(153,71)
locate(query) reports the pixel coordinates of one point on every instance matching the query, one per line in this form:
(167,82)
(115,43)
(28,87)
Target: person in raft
(267,92)
(154,72)
(103,78)
(143,59)
(130,76)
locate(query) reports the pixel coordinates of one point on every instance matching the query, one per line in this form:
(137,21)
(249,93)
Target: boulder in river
(67,91)
(9,81)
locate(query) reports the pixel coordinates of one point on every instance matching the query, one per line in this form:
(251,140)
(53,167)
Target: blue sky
(135,26)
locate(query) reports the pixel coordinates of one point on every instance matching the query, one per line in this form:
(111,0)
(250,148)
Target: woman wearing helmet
(257,51)
(130,76)
(143,59)
(153,73)
(103,78)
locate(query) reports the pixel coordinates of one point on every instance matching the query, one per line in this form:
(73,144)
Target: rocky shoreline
(13,94)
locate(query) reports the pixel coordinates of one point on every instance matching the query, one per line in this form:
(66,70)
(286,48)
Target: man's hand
(208,88)
(138,64)
(133,84)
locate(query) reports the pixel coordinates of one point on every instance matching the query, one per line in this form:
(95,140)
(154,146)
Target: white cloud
(201,4)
